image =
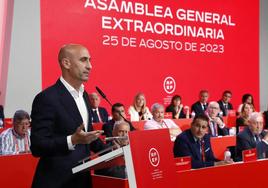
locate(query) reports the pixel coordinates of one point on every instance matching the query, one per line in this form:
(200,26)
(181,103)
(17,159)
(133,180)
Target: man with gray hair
(158,122)
(216,124)
(16,140)
(253,136)
(99,114)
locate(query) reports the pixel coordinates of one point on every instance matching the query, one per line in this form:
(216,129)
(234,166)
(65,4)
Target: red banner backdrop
(158,47)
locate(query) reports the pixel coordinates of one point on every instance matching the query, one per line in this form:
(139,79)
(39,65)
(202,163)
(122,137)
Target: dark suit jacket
(2,116)
(103,114)
(230,107)
(54,117)
(265,114)
(171,108)
(185,145)
(245,140)
(197,108)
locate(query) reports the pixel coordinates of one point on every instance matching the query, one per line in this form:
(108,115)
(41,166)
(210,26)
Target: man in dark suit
(216,125)
(120,129)
(61,133)
(99,114)
(195,143)
(2,117)
(200,106)
(253,136)
(224,103)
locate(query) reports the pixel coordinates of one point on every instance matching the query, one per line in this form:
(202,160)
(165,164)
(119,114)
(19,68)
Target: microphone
(116,137)
(103,95)
(100,92)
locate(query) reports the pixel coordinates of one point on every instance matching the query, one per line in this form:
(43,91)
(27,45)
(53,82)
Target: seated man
(117,109)
(2,116)
(201,105)
(120,129)
(224,103)
(16,140)
(158,122)
(195,143)
(216,124)
(253,136)
(99,114)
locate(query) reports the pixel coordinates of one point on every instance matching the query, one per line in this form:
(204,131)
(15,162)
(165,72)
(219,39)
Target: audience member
(121,129)
(158,122)
(195,143)
(118,115)
(200,106)
(243,118)
(246,98)
(16,140)
(176,107)
(216,124)
(138,110)
(224,103)
(253,136)
(99,114)
(2,116)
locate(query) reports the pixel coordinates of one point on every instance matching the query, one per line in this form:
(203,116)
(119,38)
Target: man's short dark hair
(202,117)
(227,92)
(116,105)
(20,115)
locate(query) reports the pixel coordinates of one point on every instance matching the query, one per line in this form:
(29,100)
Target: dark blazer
(229,106)
(197,108)
(108,128)
(265,114)
(103,115)
(185,145)
(171,108)
(245,140)
(54,117)
(2,116)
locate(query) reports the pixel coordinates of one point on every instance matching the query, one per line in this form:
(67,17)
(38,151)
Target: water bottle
(227,155)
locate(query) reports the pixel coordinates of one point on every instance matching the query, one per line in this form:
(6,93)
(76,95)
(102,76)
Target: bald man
(99,114)
(61,132)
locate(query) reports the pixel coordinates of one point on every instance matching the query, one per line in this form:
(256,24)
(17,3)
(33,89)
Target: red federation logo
(154,157)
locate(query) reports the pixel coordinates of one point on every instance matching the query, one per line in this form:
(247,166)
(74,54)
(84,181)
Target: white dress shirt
(81,105)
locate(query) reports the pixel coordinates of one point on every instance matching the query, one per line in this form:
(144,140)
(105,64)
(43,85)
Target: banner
(160,48)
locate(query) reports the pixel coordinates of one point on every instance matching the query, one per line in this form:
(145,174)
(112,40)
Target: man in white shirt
(62,131)
(158,122)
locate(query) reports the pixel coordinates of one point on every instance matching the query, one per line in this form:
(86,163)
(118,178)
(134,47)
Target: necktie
(201,148)
(95,117)
(204,107)
(215,130)
(257,139)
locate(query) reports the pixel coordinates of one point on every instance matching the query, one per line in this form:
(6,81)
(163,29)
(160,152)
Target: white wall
(24,73)
(24,76)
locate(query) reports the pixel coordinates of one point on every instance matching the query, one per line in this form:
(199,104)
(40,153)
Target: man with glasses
(253,136)
(195,142)
(16,140)
(224,103)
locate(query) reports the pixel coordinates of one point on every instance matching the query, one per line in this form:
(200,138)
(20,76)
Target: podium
(148,159)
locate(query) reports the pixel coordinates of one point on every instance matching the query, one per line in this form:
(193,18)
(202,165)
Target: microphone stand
(105,98)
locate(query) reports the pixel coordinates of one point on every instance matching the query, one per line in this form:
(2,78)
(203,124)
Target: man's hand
(82,137)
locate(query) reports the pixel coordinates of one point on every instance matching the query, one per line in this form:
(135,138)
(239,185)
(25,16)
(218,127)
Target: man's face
(256,126)
(122,131)
(213,110)
(80,65)
(199,128)
(21,127)
(226,97)
(158,114)
(94,101)
(203,98)
(116,115)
